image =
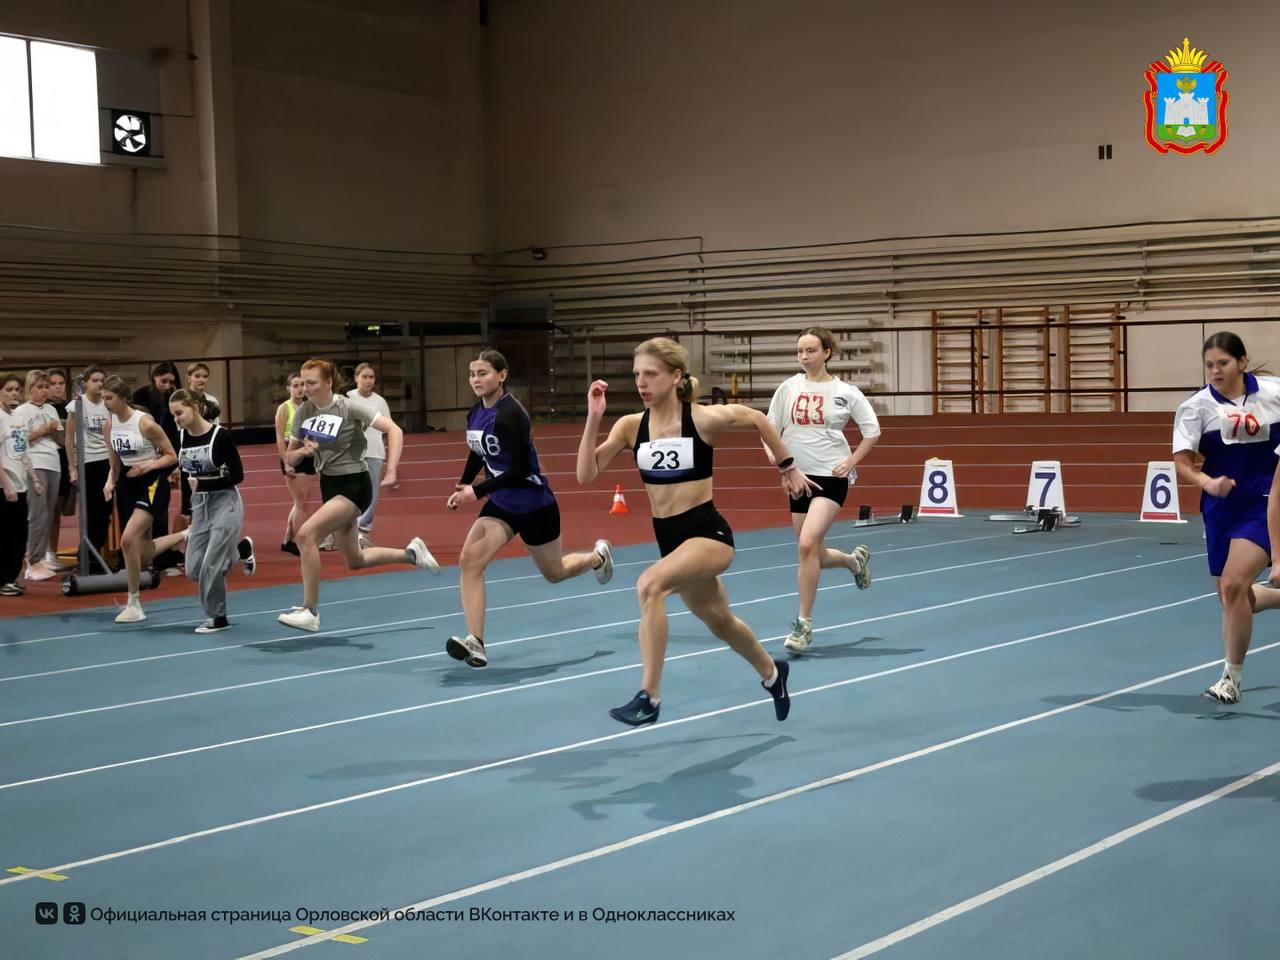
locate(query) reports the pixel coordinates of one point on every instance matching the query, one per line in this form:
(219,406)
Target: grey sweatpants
(216,519)
(42,511)
(365,520)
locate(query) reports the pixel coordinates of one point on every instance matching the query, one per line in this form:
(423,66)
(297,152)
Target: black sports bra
(673,459)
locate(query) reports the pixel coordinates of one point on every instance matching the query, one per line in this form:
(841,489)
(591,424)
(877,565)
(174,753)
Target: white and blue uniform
(1237,439)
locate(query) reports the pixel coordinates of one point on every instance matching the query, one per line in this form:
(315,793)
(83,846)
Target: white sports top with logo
(127,439)
(811,416)
(95,444)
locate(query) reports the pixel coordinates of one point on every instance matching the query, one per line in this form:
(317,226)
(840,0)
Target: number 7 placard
(1044,490)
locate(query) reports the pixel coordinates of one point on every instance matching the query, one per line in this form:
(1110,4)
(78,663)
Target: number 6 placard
(938,490)
(1160,494)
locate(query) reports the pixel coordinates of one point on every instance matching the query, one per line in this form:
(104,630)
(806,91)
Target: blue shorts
(1223,526)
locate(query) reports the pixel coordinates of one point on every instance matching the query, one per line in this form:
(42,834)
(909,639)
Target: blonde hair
(363,367)
(674,357)
(198,365)
(34,377)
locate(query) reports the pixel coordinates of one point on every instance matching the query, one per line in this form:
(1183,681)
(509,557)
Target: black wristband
(785,465)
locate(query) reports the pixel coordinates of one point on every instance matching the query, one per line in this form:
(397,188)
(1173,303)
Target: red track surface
(1103,456)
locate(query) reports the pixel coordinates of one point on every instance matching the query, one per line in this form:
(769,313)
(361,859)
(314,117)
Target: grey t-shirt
(339,429)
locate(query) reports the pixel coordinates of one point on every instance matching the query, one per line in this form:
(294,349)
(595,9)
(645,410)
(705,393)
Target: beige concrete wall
(766,122)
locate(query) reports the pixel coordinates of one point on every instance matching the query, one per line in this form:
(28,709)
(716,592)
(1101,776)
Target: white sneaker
(604,572)
(214,625)
(801,636)
(132,613)
(422,558)
(468,648)
(1224,691)
(326,543)
(862,567)
(38,572)
(301,618)
(364,542)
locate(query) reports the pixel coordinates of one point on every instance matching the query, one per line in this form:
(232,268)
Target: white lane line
(634,731)
(681,613)
(513,606)
(1049,869)
(597,673)
(721,814)
(65,636)
(537,576)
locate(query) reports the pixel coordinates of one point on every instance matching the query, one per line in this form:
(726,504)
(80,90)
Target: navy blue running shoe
(638,712)
(781,699)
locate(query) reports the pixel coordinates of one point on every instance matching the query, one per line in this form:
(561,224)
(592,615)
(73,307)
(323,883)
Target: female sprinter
(1232,422)
(520,502)
(299,478)
(810,411)
(141,459)
(673,441)
(211,468)
(330,428)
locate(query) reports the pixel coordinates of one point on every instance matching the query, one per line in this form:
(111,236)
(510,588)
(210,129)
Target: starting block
(1045,520)
(865,519)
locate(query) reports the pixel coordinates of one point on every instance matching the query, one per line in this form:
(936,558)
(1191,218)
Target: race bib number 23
(673,454)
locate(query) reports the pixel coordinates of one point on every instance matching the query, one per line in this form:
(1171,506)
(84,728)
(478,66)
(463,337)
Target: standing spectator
(375,454)
(16,476)
(41,422)
(96,461)
(65,504)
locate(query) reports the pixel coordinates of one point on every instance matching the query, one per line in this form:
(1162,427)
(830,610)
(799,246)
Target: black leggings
(13,537)
(97,512)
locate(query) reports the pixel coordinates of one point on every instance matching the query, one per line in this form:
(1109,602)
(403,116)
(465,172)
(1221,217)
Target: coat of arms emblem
(1186,102)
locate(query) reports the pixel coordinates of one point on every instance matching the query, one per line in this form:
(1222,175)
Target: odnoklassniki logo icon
(1186,102)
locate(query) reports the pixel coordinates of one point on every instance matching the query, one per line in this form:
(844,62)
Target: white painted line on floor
(1049,869)
(296,635)
(500,691)
(666,831)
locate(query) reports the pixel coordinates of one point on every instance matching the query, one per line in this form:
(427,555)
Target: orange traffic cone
(619,502)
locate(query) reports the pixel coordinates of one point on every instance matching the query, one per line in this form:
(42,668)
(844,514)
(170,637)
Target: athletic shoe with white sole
(214,625)
(862,569)
(301,618)
(469,649)
(245,549)
(604,572)
(421,556)
(132,613)
(1224,691)
(801,636)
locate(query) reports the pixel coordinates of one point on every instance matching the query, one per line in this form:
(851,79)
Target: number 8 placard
(938,490)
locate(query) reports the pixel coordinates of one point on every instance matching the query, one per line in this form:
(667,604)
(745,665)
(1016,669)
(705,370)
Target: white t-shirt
(95,415)
(44,452)
(811,417)
(375,449)
(13,444)
(210,398)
